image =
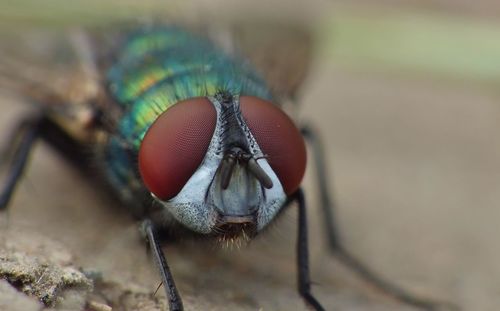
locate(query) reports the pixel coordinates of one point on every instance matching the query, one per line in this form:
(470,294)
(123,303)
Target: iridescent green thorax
(155,69)
(160,67)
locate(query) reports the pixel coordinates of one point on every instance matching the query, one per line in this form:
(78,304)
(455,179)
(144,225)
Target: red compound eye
(175,145)
(278,138)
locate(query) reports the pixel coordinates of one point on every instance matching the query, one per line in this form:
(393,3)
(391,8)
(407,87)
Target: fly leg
(335,244)
(174,299)
(21,144)
(22,139)
(303,254)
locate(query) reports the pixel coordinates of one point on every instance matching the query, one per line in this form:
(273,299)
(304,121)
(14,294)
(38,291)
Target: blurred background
(406,96)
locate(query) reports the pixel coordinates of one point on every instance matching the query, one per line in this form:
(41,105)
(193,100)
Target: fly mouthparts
(229,161)
(234,219)
(231,227)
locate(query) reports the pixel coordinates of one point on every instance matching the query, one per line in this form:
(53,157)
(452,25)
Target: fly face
(226,168)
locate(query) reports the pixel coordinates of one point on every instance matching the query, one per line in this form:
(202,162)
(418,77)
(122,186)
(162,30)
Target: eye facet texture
(279,139)
(175,145)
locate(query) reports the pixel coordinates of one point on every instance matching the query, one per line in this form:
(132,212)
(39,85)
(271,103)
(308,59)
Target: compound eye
(175,145)
(278,138)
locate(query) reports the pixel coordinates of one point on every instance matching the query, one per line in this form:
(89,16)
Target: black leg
(327,204)
(21,143)
(303,254)
(22,140)
(337,249)
(174,299)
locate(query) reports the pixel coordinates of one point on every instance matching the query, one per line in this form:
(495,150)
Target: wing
(282,52)
(59,72)
(52,69)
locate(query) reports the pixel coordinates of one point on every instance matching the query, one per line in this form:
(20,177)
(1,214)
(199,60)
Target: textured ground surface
(416,171)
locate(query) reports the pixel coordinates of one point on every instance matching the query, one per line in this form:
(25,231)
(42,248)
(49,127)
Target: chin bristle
(232,242)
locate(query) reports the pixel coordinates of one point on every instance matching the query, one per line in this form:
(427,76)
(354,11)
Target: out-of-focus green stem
(461,48)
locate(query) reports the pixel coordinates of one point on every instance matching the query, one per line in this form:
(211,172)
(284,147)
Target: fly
(177,120)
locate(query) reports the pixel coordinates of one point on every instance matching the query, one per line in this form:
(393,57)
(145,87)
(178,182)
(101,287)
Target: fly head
(229,174)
